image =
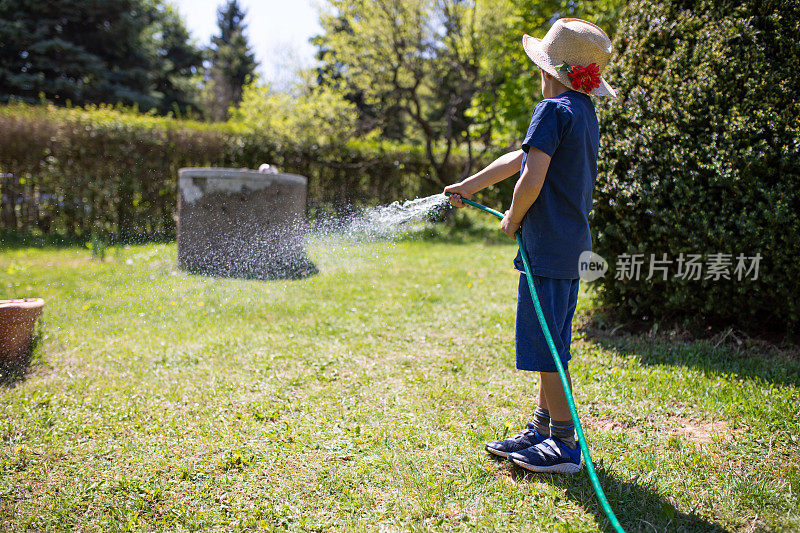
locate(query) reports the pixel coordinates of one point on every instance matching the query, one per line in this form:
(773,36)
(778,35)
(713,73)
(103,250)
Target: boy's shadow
(637,506)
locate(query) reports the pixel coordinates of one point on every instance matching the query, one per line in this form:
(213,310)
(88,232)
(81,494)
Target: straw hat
(571,43)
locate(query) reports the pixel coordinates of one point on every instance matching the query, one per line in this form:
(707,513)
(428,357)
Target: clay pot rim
(22,303)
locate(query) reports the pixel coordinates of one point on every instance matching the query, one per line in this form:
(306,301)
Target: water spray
(564,383)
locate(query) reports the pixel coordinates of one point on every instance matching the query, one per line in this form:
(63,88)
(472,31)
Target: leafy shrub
(113,173)
(700,154)
(315,114)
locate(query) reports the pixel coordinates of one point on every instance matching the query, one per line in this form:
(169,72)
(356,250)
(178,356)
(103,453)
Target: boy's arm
(526,190)
(501,168)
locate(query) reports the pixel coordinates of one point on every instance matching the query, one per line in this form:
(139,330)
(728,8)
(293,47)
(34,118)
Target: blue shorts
(558,298)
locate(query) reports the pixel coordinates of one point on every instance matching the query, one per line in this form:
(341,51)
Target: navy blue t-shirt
(555,230)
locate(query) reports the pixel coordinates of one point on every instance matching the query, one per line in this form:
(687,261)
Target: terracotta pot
(17,318)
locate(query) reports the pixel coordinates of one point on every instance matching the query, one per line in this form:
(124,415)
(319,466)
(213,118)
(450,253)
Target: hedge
(113,173)
(700,154)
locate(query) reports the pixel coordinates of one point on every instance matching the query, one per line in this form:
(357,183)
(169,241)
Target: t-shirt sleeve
(546,129)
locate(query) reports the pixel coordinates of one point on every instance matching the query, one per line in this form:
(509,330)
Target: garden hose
(564,383)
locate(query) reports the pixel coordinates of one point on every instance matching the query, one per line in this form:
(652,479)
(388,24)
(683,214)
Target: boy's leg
(543,397)
(550,387)
(539,428)
(561,425)
(559,452)
(542,415)
(552,397)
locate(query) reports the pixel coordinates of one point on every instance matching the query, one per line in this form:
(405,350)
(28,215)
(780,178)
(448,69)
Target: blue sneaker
(551,455)
(524,439)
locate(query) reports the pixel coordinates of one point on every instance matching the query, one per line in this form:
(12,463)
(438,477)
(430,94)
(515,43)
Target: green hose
(564,383)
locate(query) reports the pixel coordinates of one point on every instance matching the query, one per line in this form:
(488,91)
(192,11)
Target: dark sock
(541,421)
(563,431)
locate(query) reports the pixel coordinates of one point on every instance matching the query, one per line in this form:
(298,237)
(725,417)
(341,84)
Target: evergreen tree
(178,62)
(94,51)
(232,61)
(82,51)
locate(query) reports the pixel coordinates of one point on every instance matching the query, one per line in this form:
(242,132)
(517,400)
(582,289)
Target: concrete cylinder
(242,223)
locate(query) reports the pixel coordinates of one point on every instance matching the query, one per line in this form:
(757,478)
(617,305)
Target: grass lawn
(360,399)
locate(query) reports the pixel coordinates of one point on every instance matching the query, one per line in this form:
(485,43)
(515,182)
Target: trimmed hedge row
(112,173)
(701,155)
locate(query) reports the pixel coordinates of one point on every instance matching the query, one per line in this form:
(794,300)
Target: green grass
(360,399)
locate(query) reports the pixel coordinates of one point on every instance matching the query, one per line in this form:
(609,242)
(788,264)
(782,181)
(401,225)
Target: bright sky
(278,32)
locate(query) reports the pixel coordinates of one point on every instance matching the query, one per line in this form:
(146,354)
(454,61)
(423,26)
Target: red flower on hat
(584,78)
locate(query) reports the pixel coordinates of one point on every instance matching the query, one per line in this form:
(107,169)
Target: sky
(278,32)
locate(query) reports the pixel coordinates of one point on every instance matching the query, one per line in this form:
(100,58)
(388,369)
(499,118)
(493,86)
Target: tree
(232,62)
(509,101)
(91,51)
(450,74)
(66,51)
(370,117)
(178,62)
(413,65)
(308,114)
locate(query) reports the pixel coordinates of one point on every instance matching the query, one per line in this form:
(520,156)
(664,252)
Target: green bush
(700,154)
(113,173)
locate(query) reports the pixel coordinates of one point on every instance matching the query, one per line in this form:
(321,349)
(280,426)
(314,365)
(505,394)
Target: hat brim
(533,47)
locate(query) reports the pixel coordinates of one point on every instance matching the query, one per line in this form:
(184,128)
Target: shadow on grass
(726,352)
(455,235)
(638,507)
(14,241)
(10,241)
(15,371)
(288,270)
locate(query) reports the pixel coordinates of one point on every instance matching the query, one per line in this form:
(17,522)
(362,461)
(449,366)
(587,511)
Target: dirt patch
(607,425)
(698,430)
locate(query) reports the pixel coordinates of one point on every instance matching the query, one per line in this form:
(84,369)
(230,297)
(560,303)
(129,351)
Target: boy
(551,205)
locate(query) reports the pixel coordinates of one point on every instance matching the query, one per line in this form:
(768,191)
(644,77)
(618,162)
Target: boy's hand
(457,191)
(509,227)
